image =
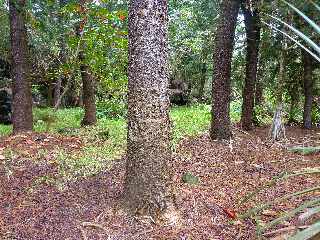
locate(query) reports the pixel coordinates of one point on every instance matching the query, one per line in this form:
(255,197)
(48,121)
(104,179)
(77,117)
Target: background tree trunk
(147,188)
(277,130)
(224,43)
(203,79)
(308,89)
(88,83)
(22,98)
(252,25)
(62,57)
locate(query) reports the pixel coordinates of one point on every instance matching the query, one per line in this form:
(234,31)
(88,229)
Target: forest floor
(41,199)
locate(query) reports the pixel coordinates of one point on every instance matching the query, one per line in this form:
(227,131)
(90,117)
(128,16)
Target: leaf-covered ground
(46,194)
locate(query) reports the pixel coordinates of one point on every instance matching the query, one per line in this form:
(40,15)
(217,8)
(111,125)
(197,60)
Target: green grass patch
(305,150)
(107,140)
(189,121)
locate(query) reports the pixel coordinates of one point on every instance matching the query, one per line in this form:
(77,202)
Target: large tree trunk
(252,25)
(224,43)
(88,83)
(22,99)
(148,176)
(308,89)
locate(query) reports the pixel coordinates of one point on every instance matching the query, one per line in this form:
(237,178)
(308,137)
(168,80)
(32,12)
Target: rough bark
(224,44)
(88,81)
(147,185)
(252,25)
(308,89)
(22,98)
(88,95)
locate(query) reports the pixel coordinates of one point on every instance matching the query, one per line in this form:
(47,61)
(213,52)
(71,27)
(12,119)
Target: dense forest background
(56,77)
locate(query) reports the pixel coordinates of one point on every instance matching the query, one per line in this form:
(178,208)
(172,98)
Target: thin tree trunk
(148,176)
(221,90)
(202,81)
(88,82)
(50,90)
(308,89)
(252,25)
(258,94)
(57,92)
(277,130)
(22,99)
(62,57)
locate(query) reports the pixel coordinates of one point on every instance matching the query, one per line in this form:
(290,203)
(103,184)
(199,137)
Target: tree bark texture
(308,89)
(221,90)
(252,25)
(22,98)
(88,82)
(147,184)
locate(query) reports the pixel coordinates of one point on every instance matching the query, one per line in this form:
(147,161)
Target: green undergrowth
(304,150)
(106,141)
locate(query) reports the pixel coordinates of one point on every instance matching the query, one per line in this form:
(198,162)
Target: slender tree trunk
(22,99)
(224,43)
(71,92)
(148,176)
(50,90)
(202,81)
(57,92)
(252,25)
(88,81)
(277,130)
(258,94)
(308,89)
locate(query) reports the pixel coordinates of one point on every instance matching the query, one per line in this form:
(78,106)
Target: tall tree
(88,81)
(22,98)
(252,26)
(307,61)
(223,49)
(62,56)
(147,184)
(277,130)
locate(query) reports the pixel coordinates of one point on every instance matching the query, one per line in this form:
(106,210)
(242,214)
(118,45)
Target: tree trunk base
(277,131)
(220,134)
(151,213)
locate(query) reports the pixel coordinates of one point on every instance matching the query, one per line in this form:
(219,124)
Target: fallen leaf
(231,213)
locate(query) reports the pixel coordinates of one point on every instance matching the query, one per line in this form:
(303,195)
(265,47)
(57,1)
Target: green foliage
(80,165)
(190,178)
(304,150)
(111,108)
(46,116)
(262,115)
(189,121)
(315,114)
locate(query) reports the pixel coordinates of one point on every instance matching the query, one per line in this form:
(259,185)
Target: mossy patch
(189,178)
(304,150)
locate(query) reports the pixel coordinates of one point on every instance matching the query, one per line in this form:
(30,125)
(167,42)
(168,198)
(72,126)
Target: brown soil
(32,208)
